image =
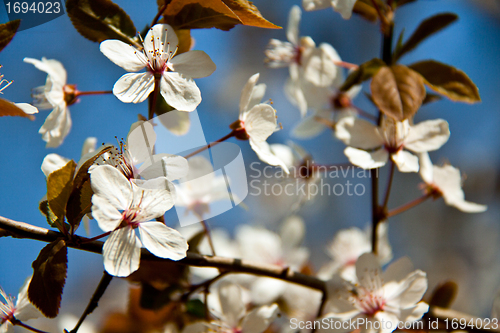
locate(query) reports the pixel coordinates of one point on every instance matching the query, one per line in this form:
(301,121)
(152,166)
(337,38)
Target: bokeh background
(440,240)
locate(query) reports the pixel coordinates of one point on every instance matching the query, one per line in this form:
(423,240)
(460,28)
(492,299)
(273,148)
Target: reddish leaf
(7,32)
(46,287)
(398,91)
(59,187)
(8,108)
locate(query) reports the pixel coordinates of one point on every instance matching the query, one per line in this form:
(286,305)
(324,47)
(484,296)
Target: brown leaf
(398,91)
(248,14)
(444,294)
(365,10)
(8,108)
(79,202)
(448,81)
(46,287)
(7,32)
(185,40)
(59,187)
(364,72)
(427,28)
(98,20)
(220,14)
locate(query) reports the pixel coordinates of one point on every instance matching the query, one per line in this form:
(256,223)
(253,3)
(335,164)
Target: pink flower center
(367,301)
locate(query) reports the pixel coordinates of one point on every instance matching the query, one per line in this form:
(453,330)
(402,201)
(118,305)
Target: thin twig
(210,145)
(28,327)
(94,301)
(411,204)
(209,236)
(389,185)
(160,12)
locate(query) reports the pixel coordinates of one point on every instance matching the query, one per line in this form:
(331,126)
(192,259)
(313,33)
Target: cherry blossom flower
(261,245)
(257,121)
(201,187)
(55,95)
(231,313)
(388,298)
(120,207)
(348,245)
(22,310)
(136,158)
(344,7)
(159,58)
(445,181)
(371,146)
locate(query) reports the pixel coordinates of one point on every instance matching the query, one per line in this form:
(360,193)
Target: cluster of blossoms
(132,186)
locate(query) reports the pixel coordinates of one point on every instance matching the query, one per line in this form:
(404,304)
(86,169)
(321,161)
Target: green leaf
(196,308)
(98,20)
(427,28)
(80,199)
(398,91)
(7,32)
(46,286)
(7,108)
(59,187)
(447,81)
(362,73)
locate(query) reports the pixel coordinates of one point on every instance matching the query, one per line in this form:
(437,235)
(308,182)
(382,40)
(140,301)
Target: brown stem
(210,145)
(156,91)
(208,235)
(408,205)
(82,93)
(28,327)
(94,301)
(232,265)
(160,12)
(379,12)
(347,65)
(389,185)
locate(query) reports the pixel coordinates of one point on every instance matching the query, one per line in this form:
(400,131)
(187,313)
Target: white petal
(293,230)
(261,148)
(260,122)
(292,30)
(27,108)
(52,67)
(390,321)
(107,216)
(358,133)
(266,290)
(134,87)
(415,286)
(406,161)
(6,327)
(414,313)
(177,122)
(162,241)
(24,309)
(319,67)
(367,160)
(344,7)
(56,127)
(194,64)
(427,136)
(368,271)
(398,270)
(155,197)
(259,319)
(426,167)
(140,141)
(180,92)
(89,146)
(231,303)
(295,95)
(310,5)
(161,37)
(109,183)
(53,162)
(123,55)
(310,127)
(122,252)
(246,93)
(284,153)
(165,165)
(448,180)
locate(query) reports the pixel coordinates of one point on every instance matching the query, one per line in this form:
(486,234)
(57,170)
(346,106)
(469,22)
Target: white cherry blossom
(55,95)
(388,297)
(344,7)
(22,310)
(257,121)
(175,72)
(445,181)
(371,146)
(120,207)
(229,308)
